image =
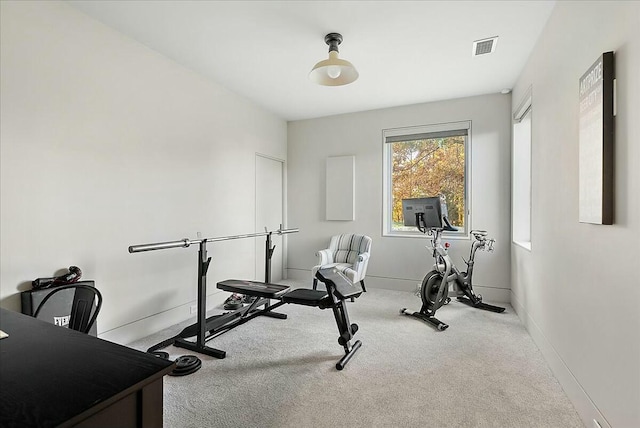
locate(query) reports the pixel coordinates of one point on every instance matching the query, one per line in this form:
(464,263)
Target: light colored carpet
(484,371)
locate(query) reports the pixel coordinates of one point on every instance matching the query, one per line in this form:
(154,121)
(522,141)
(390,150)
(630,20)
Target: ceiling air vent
(484,46)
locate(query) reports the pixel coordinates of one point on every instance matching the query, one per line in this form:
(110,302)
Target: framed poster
(596,139)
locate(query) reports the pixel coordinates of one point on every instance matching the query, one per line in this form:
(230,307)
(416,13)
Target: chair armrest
(360,266)
(325,257)
(362,258)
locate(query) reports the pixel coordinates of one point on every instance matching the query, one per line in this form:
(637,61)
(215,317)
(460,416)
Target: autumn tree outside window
(426,161)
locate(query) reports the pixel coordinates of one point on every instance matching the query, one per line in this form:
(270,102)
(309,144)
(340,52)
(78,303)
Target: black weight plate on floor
(185,365)
(233,305)
(160,354)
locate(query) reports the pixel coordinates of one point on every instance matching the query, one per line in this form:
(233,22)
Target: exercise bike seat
(344,289)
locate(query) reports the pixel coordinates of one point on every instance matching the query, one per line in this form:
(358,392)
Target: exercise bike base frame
(424,317)
(475,301)
(481,305)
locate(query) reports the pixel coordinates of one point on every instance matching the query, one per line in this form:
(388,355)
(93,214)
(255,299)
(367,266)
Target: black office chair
(83,312)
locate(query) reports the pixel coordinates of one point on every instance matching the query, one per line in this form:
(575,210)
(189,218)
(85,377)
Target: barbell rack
(201,326)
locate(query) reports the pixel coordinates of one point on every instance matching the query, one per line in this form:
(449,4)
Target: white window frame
(387,203)
(521,169)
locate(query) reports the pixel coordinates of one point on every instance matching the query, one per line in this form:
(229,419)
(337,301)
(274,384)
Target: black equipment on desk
(73,275)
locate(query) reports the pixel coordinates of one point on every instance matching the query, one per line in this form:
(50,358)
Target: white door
(269,203)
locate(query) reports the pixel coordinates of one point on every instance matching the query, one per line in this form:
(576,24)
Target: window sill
(452,236)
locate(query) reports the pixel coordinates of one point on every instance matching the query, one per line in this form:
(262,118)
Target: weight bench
(338,289)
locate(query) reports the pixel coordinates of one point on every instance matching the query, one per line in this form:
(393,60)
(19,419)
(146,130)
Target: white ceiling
(406,52)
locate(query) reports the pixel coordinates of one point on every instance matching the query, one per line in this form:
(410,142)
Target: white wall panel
(340,188)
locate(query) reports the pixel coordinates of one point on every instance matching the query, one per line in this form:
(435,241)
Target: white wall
(578,289)
(400,263)
(106,144)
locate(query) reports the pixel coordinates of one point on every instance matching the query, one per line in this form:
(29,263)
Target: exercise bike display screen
(430,207)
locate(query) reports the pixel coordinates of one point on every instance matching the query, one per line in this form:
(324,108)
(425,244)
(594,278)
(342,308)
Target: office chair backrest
(83,313)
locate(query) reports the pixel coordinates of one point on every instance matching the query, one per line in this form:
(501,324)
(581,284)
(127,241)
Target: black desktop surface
(51,376)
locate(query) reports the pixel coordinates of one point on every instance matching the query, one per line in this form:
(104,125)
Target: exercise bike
(430,218)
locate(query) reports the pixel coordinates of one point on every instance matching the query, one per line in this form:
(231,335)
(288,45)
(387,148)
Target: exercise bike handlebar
(185,243)
(484,243)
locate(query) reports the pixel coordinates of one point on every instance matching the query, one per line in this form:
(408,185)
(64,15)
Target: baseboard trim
(489,294)
(586,408)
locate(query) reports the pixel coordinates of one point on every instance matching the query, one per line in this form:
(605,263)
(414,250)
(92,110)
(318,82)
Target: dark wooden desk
(51,376)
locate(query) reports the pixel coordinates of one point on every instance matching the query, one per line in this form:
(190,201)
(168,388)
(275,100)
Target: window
(426,161)
(521,175)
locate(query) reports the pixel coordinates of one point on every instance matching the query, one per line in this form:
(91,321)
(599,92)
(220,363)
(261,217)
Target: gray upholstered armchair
(347,253)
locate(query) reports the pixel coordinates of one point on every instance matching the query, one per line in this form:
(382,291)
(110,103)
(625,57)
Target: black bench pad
(305,296)
(254,288)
